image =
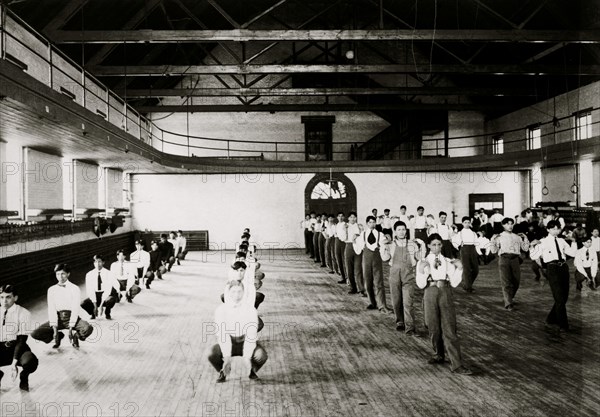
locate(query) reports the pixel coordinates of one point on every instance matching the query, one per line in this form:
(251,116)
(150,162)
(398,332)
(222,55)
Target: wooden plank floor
(328,356)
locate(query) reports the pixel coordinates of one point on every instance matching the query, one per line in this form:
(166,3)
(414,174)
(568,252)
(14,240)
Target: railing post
(83,86)
(276,154)
(51,66)
(3,33)
(140,126)
(228,155)
(107,104)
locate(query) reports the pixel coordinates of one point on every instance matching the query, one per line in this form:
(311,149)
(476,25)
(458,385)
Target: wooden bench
(33,272)
(571,215)
(197,240)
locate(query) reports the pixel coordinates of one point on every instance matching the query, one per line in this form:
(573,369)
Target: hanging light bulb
(574,187)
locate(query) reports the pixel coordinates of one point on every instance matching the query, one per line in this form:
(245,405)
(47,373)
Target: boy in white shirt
(596,241)
(436,274)
(586,263)
(483,248)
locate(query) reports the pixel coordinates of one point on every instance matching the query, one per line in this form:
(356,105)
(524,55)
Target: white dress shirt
(586,258)
(331,229)
(404,218)
(122,272)
(420,222)
(596,243)
(236,320)
(445,271)
(17,322)
(496,218)
(464,237)
(108,283)
(340,231)
(63,297)
(444,230)
(175,244)
(546,249)
(141,259)
(361,241)
(182,242)
(352,232)
(386,222)
(483,245)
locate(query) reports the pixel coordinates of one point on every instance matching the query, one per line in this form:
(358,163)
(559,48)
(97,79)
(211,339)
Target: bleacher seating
(197,240)
(571,215)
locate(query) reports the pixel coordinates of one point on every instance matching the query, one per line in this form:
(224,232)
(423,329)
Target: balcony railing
(36,56)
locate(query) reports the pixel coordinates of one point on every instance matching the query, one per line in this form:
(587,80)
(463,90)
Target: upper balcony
(39,82)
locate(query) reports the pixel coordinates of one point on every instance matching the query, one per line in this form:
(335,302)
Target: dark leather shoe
(129,299)
(1,375)
(147,286)
(371,307)
(352,292)
(463,371)
(221,378)
(253,375)
(59,337)
(436,360)
(341,281)
(411,333)
(400,327)
(24,384)
(108,317)
(74,338)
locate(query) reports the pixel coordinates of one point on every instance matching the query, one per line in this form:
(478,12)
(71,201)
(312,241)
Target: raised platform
(328,356)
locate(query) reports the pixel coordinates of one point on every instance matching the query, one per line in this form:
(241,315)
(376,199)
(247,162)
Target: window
(328,189)
(318,137)
(498,145)
(583,125)
(534,138)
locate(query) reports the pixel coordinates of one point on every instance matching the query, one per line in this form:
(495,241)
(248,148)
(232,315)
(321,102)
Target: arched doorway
(330,193)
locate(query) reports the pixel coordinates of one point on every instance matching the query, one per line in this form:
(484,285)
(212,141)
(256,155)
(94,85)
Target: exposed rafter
(101,55)
(493,69)
(232,92)
(271,108)
(65,14)
(246,35)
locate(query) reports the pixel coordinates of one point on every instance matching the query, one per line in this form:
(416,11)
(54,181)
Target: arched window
(328,189)
(330,193)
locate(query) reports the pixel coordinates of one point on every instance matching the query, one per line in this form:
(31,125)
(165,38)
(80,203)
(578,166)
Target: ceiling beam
(272,108)
(101,55)
(63,16)
(492,69)
(262,14)
(545,52)
(419,91)
(246,35)
(495,14)
(223,13)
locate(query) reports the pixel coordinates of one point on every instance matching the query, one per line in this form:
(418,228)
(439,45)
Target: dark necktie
(4,318)
(560,257)
(371,239)
(99,281)
(587,255)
